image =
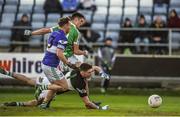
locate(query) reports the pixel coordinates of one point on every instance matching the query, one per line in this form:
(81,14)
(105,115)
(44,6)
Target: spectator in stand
(88,5)
(159,37)
(52,6)
(18,34)
(141,37)
(89,35)
(70,6)
(174,20)
(106,55)
(126,36)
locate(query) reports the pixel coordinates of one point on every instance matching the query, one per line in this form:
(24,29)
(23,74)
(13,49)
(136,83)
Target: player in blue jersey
(54,54)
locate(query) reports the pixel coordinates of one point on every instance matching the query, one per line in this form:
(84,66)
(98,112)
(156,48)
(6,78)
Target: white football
(154,101)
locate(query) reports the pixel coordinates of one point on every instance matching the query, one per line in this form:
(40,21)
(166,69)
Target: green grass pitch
(122,103)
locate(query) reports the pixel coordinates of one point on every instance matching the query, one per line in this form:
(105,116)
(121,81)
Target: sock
(19,103)
(43,87)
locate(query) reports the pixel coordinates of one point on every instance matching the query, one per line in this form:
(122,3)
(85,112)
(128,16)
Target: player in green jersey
(73,43)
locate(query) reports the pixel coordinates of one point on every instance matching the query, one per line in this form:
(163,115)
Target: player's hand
(104,75)
(96,103)
(73,66)
(106,107)
(86,53)
(27,33)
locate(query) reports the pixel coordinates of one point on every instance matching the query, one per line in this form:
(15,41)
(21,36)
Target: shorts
(73,59)
(52,73)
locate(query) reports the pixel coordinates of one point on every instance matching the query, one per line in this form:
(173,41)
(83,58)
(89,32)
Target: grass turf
(122,103)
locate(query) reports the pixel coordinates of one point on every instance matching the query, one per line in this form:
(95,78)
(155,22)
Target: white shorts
(52,73)
(73,59)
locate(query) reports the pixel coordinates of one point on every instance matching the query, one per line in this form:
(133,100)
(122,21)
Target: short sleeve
(54,28)
(82,92)
(62,44)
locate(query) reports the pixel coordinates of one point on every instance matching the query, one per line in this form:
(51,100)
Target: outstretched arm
(88,103)
(41,31)
(77,51)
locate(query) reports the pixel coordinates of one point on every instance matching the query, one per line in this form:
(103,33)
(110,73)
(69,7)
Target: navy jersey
(56,40)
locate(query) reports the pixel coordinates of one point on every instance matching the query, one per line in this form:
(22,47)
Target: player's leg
(20,77)
(28,103)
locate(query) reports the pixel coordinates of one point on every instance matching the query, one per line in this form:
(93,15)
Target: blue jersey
(56,40)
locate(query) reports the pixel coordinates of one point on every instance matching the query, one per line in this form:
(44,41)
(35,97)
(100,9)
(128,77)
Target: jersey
(72,36)
(78,83)
(56,40)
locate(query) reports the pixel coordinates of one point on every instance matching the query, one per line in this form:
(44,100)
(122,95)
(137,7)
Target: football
(154,101)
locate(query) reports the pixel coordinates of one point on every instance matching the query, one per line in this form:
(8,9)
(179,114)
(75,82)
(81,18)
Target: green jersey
(72,36)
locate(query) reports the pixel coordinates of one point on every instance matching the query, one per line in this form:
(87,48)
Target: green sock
(44,87)
(19,103)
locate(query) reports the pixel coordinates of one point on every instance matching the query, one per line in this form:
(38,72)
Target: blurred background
(136,41)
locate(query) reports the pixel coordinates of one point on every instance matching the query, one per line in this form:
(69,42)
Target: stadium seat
(36,41)
(160,9)
(148,19)
(98,26)
(37,25)
(174,3)
(5,42)
(12,2)
(10,9)
(164,18)
(6,33)
(101,10)
(40,2)
(1,2)
(131,3)
(8,17)
(99,18)
(115,11)
(27,2)
(117,3)
(100,3)
(66,14)
(6,24)
(145,10)
(130,11)
(113,26)
(114,18)
(25,9)
(102,35)
(38,9)
(146,3)
(113,34)
(53,17)
(38,17)
(88,17)
(175,40)
(176,8)
(51,24)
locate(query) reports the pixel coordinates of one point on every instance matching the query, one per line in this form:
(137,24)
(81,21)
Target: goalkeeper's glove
(104,75)
(27,33)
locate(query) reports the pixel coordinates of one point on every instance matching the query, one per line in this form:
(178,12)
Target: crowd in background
(136,37)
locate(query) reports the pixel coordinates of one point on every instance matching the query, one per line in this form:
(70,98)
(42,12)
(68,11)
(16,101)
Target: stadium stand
(109,15)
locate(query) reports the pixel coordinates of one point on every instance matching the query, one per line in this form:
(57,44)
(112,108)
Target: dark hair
(63,21)
(173,10)
(108,39)
(85,67)
(77,14)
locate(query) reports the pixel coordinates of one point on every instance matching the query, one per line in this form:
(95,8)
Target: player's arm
(60,53)
(89,104)
(101,72)
(87,87)
(41,31)
(77,51)
(61,56)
